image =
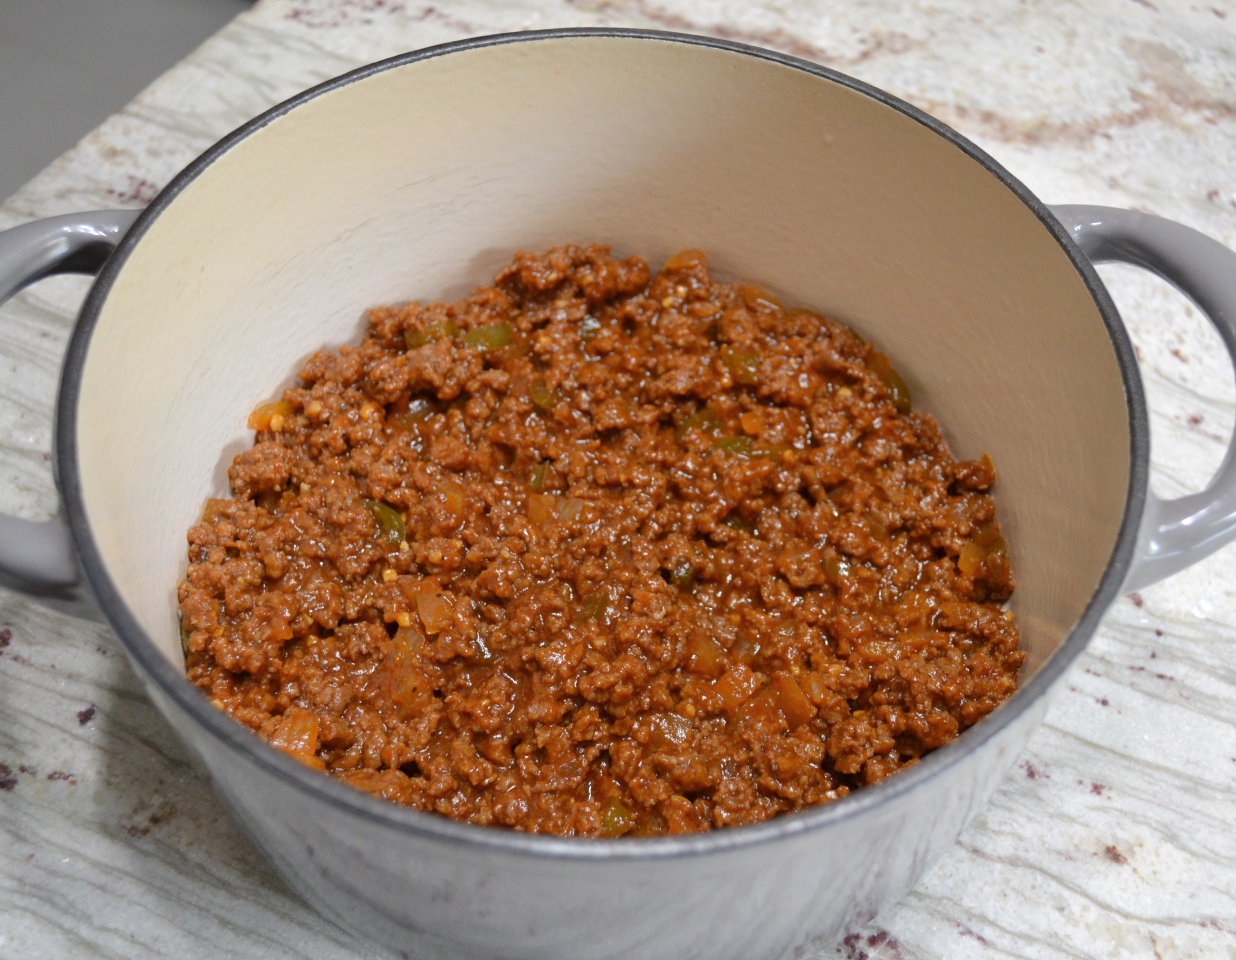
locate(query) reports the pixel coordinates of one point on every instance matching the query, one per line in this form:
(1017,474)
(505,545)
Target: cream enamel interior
(417,182)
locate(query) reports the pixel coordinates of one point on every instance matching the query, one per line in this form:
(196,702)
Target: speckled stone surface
(1112,838)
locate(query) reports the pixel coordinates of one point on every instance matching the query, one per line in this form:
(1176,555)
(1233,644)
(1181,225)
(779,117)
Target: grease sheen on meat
(598,553)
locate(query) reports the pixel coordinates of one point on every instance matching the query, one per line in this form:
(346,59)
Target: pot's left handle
(38,558)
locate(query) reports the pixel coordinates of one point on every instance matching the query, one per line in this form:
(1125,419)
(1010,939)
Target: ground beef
(596,553)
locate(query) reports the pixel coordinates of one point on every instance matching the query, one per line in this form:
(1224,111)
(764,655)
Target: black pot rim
(173,684)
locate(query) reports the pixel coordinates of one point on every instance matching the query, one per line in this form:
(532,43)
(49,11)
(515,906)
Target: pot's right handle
(38,558)
(1174,533)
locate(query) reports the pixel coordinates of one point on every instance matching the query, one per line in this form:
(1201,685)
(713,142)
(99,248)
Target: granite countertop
(1111,838)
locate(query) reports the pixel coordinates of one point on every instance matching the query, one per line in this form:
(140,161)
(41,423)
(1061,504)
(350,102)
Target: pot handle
(38,558)
(1174,534)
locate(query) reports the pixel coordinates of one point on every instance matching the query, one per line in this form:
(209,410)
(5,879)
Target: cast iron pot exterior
(435,888)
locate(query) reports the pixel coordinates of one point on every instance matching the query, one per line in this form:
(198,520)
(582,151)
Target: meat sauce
(598,553)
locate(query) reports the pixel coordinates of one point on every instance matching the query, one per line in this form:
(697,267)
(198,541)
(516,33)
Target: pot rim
(172,683)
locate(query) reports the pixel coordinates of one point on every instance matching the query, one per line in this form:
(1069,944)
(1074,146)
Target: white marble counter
(1114,835)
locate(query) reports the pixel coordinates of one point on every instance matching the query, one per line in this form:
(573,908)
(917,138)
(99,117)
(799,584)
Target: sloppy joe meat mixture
(599,553)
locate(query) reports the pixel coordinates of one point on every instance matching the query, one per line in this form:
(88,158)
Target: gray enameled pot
(418,176)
